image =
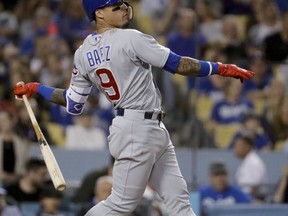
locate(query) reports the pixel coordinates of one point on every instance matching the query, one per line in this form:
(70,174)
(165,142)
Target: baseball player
(117,61)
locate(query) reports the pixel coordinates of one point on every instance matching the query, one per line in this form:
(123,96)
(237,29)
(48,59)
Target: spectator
(30,185)
(14,151)
(209,24)
(53,73)
(251,175)
(281,193)
(269,23)
(163,17)
(275,95)
(24,127)
(73,23)
(280,124)
(186,40)
(42,24)
(85,192)
(153,7)
(231,109)
(5,208)
(82,135)
(8,24)
(231,43)
(8,61)
(186,34)
(50,201)
(276,45)
(256,88)
(251,126)
(282,5)
(219,191)
(43,46)
(26,16)
(212,86)
(102,190)
(239,7)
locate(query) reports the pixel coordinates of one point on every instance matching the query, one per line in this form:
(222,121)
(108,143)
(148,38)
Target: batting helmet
(90,6)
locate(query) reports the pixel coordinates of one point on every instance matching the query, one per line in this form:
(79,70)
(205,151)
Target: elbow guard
(76,98)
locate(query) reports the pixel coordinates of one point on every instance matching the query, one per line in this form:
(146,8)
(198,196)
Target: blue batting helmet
(90,6)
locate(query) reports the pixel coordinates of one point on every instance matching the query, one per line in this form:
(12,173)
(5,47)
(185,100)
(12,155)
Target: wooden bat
(48,156)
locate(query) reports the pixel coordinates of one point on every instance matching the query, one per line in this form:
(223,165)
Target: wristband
(45,91)
(207,68)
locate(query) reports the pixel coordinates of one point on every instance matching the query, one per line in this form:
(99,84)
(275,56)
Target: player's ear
(99,14)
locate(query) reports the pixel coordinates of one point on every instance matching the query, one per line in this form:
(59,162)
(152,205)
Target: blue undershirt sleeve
(172,62)
(45,91)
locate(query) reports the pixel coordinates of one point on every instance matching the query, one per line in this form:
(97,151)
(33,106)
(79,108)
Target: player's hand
(231,70)
(28,89)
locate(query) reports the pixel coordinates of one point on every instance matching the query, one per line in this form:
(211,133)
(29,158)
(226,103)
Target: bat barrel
(53,168)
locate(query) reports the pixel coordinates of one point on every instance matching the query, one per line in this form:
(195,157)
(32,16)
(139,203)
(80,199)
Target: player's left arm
(58,97)
(73,98)
(149,50)
(54,95)
(187,66)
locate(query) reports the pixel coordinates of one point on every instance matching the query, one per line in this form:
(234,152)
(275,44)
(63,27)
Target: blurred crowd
(39,37)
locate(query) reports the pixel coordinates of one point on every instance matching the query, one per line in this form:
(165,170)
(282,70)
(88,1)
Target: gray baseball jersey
(116,61)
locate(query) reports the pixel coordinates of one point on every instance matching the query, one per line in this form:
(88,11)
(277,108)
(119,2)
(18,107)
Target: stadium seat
(223,134)
(259,105)
(57,133)
(204,106)
(279,145)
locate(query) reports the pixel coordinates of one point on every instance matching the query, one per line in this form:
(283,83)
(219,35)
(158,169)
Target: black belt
(147,114)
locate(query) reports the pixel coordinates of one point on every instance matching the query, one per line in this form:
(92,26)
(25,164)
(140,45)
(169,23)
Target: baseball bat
(48,156)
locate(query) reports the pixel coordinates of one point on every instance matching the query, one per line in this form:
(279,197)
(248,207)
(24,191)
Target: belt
(153,115)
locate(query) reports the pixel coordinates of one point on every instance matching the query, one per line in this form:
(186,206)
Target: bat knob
(61,187)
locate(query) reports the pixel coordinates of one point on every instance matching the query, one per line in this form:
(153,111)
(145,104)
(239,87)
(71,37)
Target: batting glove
(231,70)
(28,89)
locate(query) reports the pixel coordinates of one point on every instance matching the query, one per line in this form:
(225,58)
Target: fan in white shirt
(84,136)
(252,173)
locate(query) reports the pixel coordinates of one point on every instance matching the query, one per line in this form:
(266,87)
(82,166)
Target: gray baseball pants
(143,153)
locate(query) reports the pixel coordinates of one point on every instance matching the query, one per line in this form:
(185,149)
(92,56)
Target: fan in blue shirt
(219,191)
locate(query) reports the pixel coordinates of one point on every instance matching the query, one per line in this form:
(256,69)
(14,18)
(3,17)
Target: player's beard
(126,25)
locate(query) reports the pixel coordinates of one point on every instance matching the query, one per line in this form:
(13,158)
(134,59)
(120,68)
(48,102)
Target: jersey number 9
(108,83)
